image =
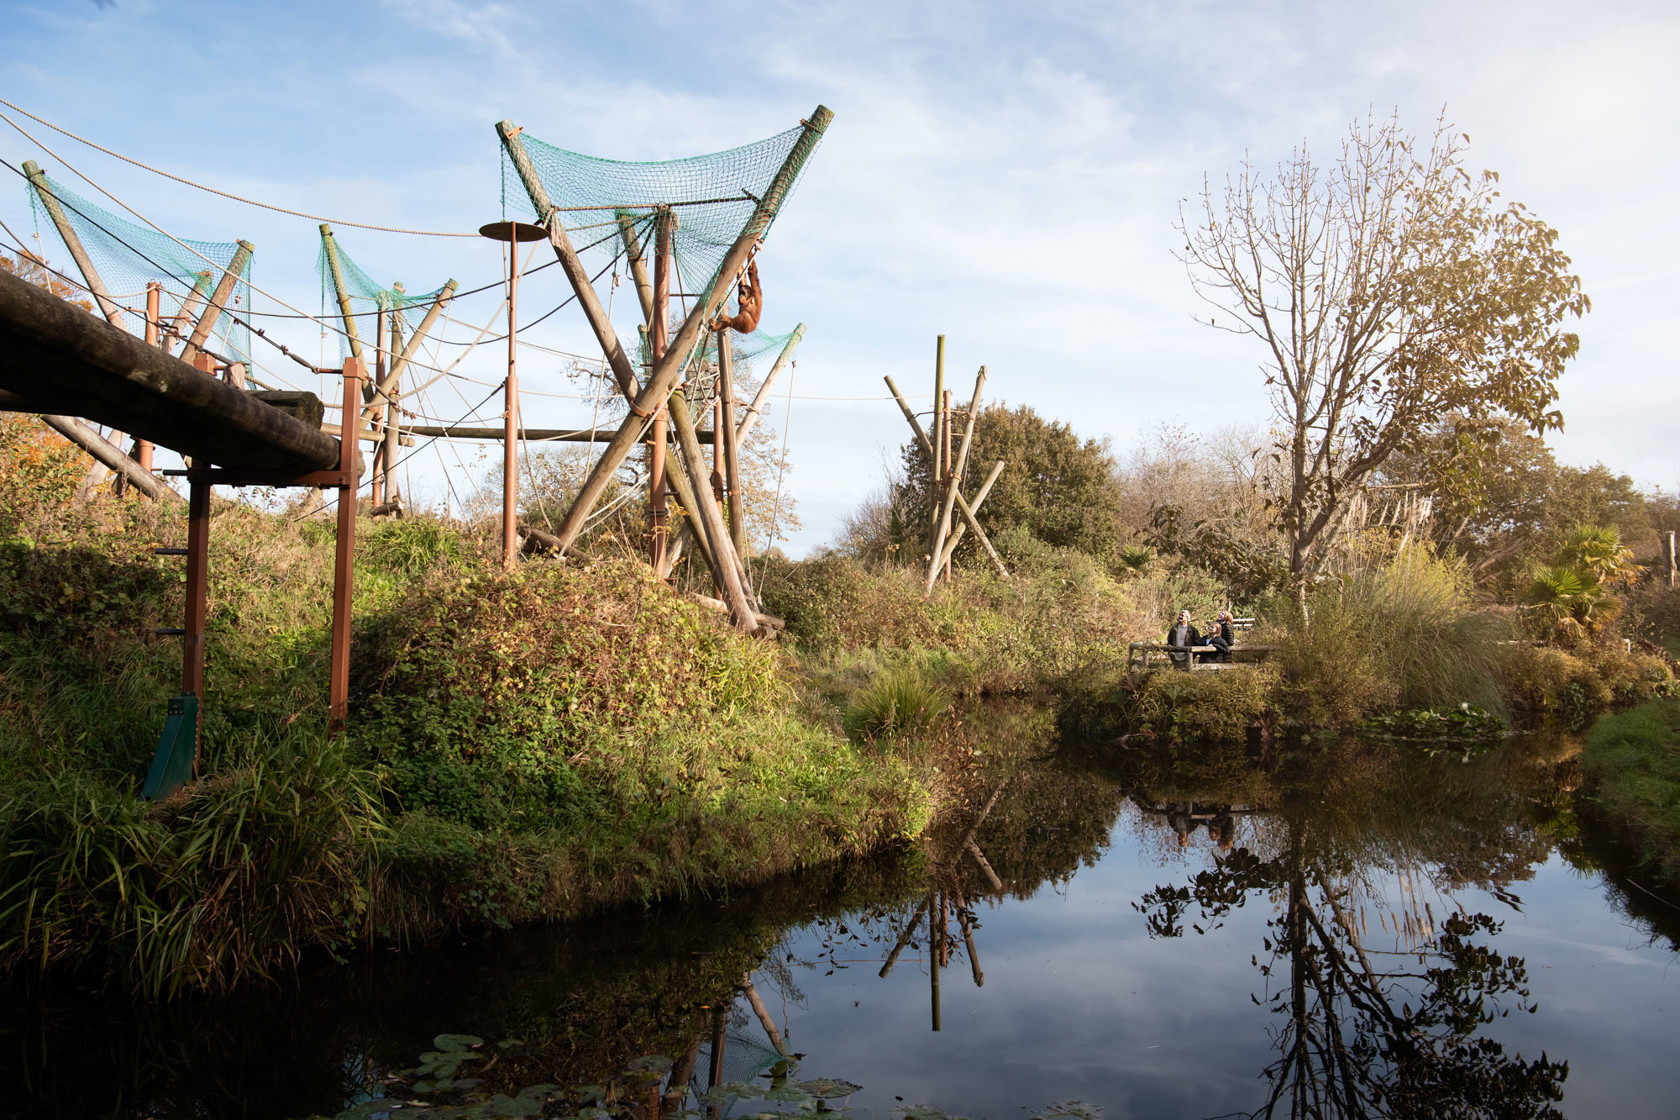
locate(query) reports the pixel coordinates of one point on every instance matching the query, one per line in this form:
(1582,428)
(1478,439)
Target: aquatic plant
(896,703)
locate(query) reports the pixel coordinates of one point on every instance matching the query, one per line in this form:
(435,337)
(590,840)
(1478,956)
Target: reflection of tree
(1362,1038)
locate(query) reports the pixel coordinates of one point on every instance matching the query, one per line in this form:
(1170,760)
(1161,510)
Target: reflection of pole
(968,942)
(933,963)
(904,938)
(714,1075)
(763,1014)
(676,1088)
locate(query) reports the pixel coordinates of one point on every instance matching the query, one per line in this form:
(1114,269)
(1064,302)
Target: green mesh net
(713,196)
(129,256)
(367,299)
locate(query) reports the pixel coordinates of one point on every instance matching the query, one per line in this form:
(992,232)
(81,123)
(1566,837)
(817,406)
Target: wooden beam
(382,391)
(756,410)
(188,309)
(529,435)
(952,484)
(962,504)
(731,451)
(633,249)
(936,447)
(116,379)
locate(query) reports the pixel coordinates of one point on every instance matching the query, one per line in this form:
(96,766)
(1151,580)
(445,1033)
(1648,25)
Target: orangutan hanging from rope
(750,297)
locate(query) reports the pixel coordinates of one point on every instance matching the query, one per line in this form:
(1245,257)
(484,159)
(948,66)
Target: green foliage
(1576,685)
(1054,485)
(1205,708)
(1632,760)
(896,702)
(412,546)
(1465,722)
(223,882)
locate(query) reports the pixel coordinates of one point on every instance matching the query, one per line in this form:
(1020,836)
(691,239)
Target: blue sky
(1005,174)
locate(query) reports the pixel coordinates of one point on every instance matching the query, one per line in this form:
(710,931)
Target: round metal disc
(513,231)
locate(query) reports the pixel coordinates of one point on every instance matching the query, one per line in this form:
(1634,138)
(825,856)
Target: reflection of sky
(1079,1003)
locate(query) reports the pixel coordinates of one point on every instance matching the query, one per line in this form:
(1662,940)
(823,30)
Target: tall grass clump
(1406,633)
(223,882)
(896,702)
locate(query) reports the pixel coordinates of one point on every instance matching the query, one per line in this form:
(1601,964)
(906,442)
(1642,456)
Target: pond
(1348,929)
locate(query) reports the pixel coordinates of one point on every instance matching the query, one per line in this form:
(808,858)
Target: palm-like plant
(1135,561)
(1597,550)
(1568,604)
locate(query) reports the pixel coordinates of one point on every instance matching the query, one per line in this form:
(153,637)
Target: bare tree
(1389,288)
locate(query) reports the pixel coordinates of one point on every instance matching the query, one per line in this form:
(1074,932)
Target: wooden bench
(1139,655)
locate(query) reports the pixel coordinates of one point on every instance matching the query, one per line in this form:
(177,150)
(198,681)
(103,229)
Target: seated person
(1183,637)
(1221,634)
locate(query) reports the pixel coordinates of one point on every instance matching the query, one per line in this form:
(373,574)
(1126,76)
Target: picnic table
(1139,655)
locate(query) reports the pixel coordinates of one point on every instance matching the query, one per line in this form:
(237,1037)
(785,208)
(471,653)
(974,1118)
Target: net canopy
(712,197)
(128,256)
(367,298)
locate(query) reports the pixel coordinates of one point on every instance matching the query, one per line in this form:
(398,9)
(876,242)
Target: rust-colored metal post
(338,688)
(658,340)
(510,433)
(198,578)
(390,448)
(154,313)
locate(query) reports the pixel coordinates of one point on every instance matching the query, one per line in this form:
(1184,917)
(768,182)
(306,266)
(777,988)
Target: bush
(1201,707)
(1632,762)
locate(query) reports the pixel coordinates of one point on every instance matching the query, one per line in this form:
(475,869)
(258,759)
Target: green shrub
(1204,707)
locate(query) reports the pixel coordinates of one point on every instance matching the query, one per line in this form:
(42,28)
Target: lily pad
(457,1041)
(826,1087)
(651,1063)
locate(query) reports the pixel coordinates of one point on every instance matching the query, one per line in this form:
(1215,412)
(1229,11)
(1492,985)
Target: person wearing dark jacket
(1182,637)
(1221,635)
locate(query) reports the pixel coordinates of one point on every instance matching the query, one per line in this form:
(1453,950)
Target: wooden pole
(109,455)
(1673,560)
(953,479)
(962,504)
(756,409)
(646,290)
(338,689)
(731,452)
(666,373)
(934,949)
(188,309)
(968,943)
(218,299)
(412,347)
(390,451)
(937,427)
(763,1013)
(657,312)
(376,483)
(154,314)
(510,437)
(979,500)
(43,191)
(335,270)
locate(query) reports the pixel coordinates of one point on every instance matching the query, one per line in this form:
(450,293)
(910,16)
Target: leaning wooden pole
(335,271)
(110,455)
(78,253)
(979,500)
(938,558)
(756,409)
(731,451)
(634,252)
(962,504)
(187,310)
(218,300)
(937,450)
(668,371)
(412,347)
(657,313)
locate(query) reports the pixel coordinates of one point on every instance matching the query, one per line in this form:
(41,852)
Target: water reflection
(1384,991)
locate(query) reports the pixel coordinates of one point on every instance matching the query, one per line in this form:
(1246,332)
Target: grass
(895,703)
(1632,762)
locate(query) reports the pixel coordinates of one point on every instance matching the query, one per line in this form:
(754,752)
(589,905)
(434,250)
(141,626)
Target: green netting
(367,299)
(713,196)
(129,256)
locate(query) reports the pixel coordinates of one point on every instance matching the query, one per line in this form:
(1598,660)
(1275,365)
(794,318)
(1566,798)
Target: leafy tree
(1054,485)
(1388,288)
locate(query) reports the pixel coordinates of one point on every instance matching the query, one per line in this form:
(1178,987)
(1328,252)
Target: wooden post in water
(933,957)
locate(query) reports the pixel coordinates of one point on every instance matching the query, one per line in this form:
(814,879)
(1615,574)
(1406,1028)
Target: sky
(1008,175)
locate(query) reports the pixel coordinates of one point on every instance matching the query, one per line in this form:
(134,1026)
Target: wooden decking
(1157,655)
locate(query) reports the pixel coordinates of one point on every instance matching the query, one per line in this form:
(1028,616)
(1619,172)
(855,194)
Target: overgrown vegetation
(1632,762)
(537,744)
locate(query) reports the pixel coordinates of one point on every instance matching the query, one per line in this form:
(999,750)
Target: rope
(781,472)
(213,190)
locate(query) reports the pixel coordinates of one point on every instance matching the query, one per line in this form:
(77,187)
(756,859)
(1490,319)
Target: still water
(1352,929)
